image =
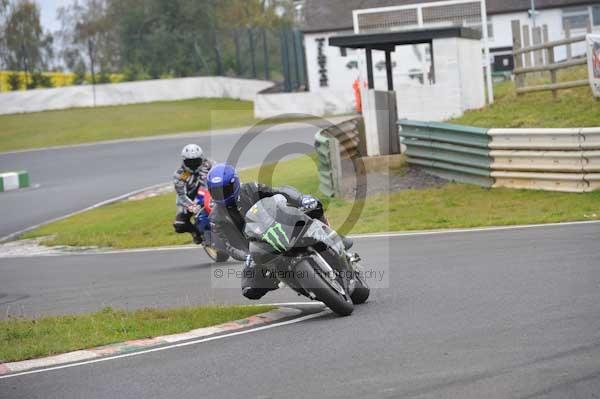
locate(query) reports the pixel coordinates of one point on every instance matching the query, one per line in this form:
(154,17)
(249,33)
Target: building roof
(336,15)
(389,40)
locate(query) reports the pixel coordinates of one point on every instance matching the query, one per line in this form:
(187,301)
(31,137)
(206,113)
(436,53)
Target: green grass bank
(22,339)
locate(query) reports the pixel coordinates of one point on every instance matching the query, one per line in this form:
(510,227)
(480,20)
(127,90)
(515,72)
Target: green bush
(79,72)
(135,72)
(103,77)
(14,81)
(40,80)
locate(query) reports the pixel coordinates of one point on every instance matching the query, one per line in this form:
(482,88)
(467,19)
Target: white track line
(473,229)
(89,208)
(356,237)
(162,348)
(284,304)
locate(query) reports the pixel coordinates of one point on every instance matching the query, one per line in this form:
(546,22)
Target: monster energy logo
(273,237)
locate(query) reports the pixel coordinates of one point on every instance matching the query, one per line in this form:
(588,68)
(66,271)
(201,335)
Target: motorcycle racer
(190,176)
(232,200)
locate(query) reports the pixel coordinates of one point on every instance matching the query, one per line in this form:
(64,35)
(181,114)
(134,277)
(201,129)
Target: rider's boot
(197,237)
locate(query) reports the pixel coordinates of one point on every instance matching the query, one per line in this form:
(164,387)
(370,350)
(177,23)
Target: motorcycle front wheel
(314,283)
(361,291)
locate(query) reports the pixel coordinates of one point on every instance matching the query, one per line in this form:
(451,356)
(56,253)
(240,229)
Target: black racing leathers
(228,222)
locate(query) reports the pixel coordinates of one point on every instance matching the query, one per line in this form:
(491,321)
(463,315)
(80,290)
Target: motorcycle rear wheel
(216,255)
(313,282)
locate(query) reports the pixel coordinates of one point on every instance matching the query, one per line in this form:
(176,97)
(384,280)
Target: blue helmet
(223,184)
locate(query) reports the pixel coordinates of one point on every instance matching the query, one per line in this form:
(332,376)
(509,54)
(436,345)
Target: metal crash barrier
(334,145)
(545,159)
(456,153)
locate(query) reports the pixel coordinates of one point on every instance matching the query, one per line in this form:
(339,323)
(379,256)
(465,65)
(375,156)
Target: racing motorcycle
(210,242)
(304,254)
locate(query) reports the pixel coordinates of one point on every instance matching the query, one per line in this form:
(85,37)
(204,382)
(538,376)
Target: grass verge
(572,108)
(148,223)
(22,339)
(82,125)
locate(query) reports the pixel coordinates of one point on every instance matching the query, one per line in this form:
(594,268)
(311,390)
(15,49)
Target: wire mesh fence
(256,53)
(448,13)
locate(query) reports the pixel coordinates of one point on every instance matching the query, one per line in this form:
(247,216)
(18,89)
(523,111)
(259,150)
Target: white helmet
(192,156)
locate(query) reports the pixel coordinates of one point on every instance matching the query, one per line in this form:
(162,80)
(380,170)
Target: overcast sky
(48,10)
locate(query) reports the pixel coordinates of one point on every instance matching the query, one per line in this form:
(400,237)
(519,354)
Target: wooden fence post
(550,60)
(526,43)
(538,56)
(567,26)
(518,59)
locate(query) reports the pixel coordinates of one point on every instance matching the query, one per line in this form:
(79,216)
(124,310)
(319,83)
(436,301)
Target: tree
(156,38)
(79,71)
(3,12)
(26,47)
(87,29)
(164,37)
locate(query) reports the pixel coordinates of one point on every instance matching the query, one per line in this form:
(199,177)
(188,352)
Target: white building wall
(342,71)
(553,18)
(416,97)
(130,93)
(472,85)
(340,76)
(338,95)
(459,85)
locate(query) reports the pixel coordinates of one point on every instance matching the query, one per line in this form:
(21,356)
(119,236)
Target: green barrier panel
(453,152)
(452,172)
(461,155)
(446,133)
(324,165)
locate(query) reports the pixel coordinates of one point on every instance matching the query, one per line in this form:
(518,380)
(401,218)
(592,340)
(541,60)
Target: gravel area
(408,179)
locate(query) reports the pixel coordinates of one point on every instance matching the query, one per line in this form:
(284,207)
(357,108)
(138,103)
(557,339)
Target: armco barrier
(334,145)
(546,159)
(535,139)
(457,153)
(568,182)
(327,181)
(591,138)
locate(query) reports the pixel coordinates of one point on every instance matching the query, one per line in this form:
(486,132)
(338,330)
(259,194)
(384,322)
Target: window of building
(477,26)
(490,30)
(596,15)
(576,17)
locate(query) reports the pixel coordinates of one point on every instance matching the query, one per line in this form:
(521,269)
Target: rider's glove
(309,202)
(194,208)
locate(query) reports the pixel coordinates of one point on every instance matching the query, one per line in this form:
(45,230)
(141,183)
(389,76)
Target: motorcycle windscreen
(270,220)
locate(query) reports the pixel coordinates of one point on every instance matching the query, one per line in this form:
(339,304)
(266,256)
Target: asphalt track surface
(73,178)
(492,314)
